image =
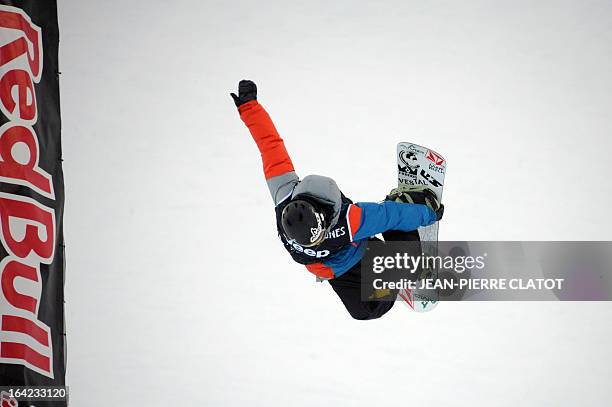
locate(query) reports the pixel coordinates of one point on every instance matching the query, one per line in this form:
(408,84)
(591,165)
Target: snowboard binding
(417,194)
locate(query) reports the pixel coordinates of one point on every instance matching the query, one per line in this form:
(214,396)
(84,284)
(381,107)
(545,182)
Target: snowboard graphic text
(418,165)
(27,226)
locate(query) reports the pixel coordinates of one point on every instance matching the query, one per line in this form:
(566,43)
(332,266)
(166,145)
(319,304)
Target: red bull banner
(32,329)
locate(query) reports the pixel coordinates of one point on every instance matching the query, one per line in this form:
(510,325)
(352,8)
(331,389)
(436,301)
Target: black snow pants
(348,285)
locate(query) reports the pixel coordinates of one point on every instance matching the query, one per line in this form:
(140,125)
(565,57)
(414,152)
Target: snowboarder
(320,227)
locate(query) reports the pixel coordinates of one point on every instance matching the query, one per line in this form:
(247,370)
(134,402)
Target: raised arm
(278,168)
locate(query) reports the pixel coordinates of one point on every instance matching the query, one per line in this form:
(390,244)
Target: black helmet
(305,221)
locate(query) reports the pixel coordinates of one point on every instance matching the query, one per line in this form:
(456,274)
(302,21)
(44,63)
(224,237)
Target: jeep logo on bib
(309,252)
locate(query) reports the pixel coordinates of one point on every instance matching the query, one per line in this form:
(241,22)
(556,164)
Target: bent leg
(348,288)
(401,236)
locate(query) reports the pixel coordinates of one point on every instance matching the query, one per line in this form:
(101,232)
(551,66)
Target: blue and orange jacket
(352,224)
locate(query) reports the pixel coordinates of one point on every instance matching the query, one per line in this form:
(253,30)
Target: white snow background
(178,290)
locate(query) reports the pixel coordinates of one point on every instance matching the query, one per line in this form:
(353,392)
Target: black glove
(440,212)
(247,91)
(433,203)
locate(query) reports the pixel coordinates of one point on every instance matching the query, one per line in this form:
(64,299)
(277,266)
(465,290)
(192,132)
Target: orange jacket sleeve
(320,270)
(276,160)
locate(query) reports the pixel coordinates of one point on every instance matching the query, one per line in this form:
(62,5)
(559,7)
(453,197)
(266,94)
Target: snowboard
(418,165)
